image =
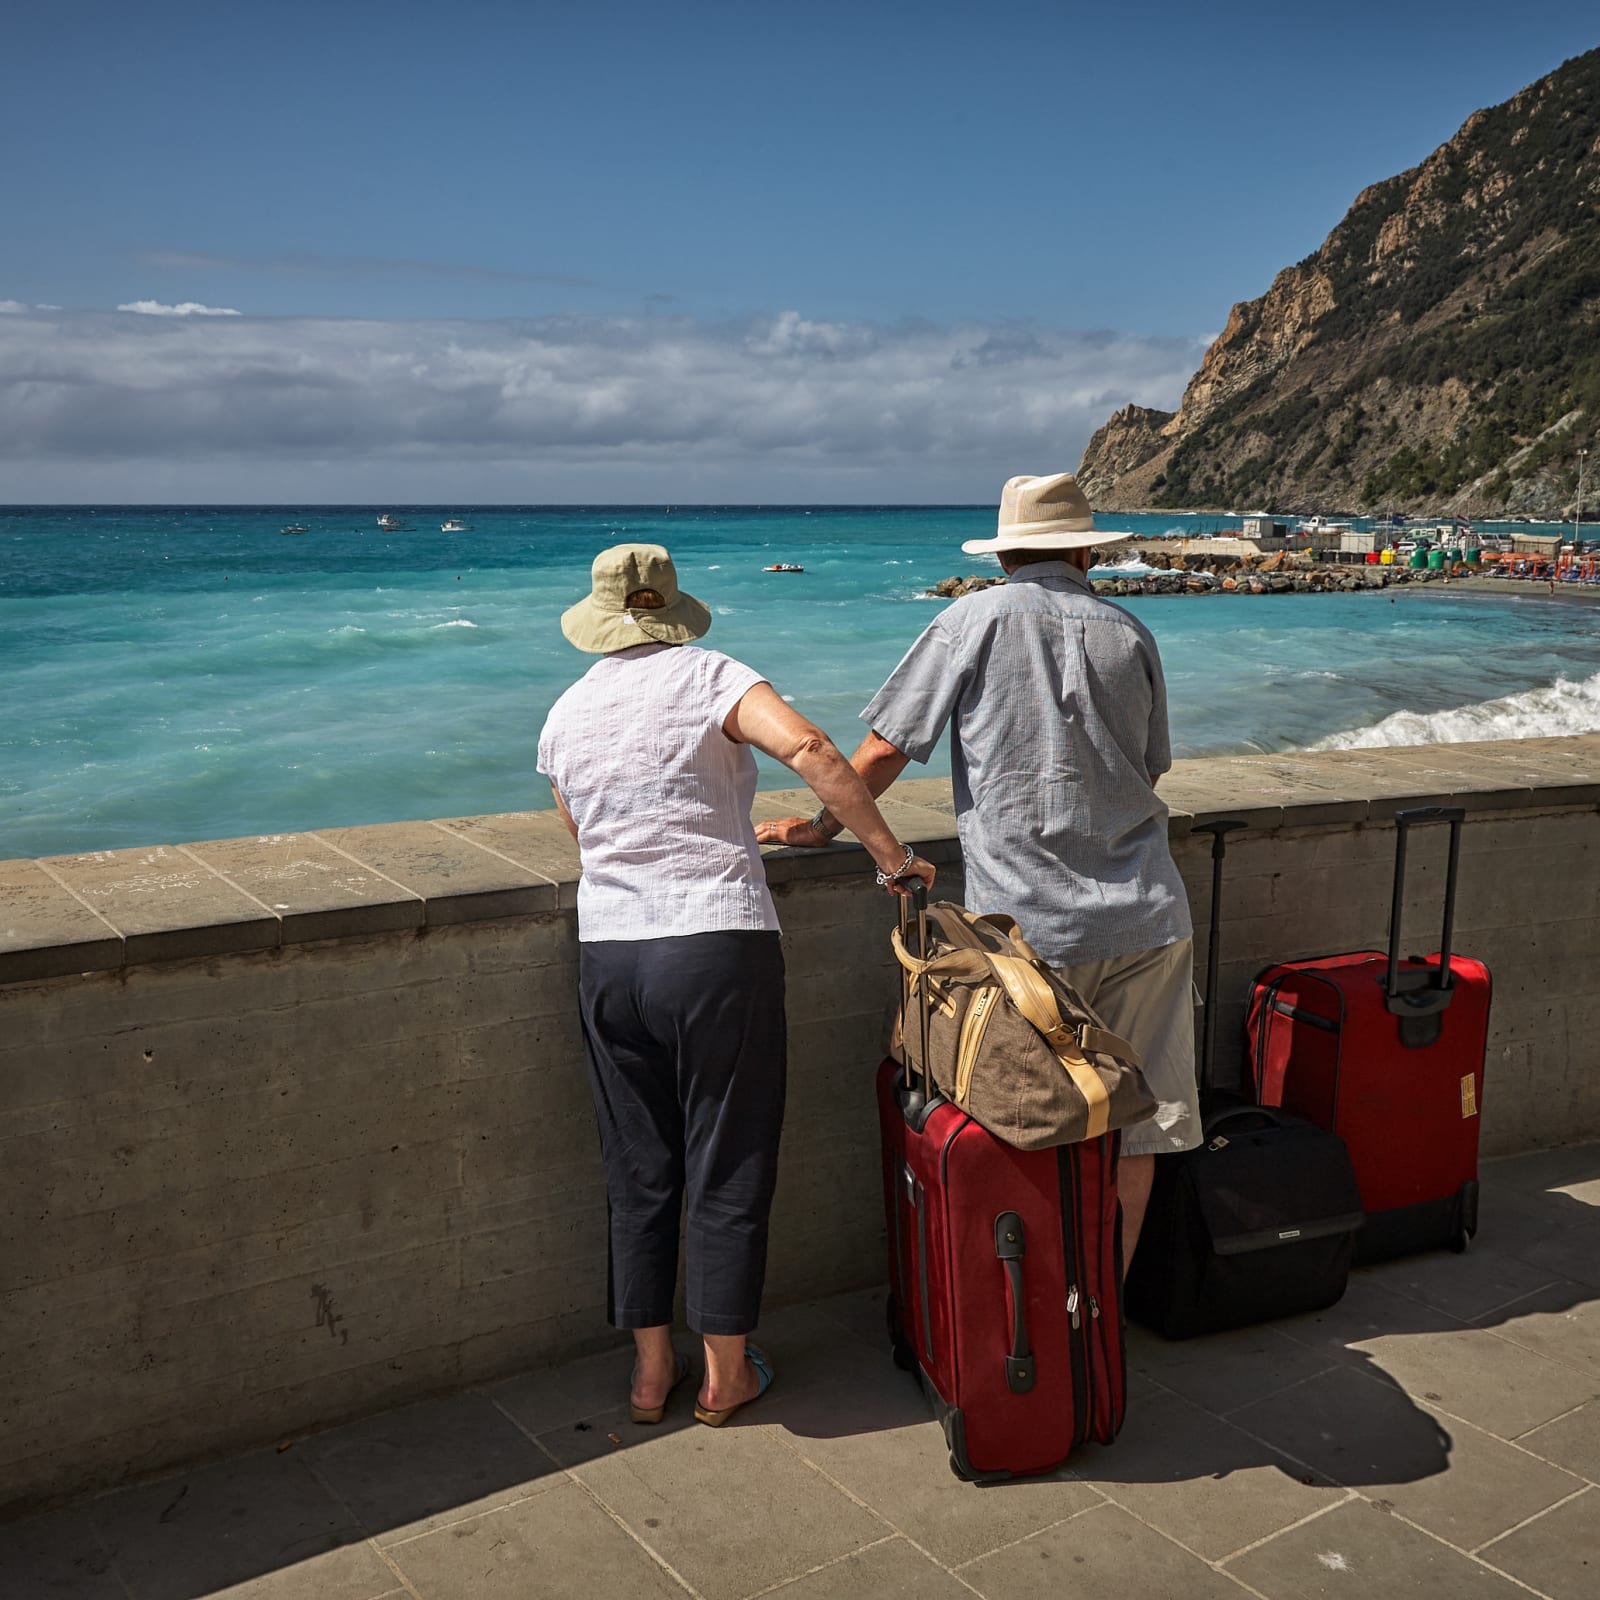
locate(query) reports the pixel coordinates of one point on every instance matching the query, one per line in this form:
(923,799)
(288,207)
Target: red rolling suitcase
(1005,1268)
(1388,1054)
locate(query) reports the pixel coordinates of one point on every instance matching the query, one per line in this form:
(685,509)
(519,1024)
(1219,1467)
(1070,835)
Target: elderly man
(1058,715)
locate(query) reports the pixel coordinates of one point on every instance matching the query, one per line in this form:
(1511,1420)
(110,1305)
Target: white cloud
(586,408)
(185,308)
(12,307)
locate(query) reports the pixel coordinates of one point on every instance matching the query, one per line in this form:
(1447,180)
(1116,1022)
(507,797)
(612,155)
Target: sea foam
(1557,708)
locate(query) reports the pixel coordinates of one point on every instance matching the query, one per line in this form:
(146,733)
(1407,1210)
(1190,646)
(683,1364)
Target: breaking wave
(1555,708)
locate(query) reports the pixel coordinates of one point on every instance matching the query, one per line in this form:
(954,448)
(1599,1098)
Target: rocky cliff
(1441,348)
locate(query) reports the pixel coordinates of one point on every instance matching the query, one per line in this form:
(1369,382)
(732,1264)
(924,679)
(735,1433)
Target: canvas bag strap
(961,926)
(1006,927)
(1035,999)
(1103,1042)
(968,965)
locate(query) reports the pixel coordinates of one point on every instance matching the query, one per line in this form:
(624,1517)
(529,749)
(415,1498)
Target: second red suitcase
(1388,1053)
(1005,1272)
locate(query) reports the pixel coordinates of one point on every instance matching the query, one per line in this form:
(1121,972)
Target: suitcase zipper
(922,1275)
(973,1028)
(902,1280)
(1072,1250)
(1087,1416)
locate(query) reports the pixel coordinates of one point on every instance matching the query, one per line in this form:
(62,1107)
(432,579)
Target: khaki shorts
(1149,998)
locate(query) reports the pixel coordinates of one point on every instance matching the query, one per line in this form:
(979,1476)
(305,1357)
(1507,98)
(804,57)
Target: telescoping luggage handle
(1219,832)
(918,1098)
(1422,994)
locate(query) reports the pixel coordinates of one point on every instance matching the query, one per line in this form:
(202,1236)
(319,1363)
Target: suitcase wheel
(904,1356)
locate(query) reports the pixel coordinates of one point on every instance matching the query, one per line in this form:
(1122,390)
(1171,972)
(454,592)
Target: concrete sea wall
(299,1126)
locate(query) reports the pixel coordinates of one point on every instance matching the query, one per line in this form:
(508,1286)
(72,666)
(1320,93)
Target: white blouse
(660,794)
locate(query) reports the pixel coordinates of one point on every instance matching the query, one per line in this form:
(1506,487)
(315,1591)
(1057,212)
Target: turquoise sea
(191,673)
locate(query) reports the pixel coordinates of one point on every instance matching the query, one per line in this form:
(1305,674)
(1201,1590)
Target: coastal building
(1261,525)
(1547,545)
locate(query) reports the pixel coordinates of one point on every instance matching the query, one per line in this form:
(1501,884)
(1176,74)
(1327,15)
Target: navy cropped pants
(687,1051)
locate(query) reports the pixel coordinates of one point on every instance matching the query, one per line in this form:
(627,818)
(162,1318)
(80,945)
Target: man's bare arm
(877,761)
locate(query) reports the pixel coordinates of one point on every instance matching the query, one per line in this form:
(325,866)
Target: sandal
(656,1413)
(764,1377)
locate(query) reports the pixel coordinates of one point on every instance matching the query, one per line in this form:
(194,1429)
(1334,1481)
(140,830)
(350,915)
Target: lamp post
(1577,510)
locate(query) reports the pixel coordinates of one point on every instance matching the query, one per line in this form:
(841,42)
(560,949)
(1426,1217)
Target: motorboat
(295,527)
(783,566)
(450,525)
(392,524)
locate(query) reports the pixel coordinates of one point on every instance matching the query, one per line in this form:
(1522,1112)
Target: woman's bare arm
(762,719)
(566,816)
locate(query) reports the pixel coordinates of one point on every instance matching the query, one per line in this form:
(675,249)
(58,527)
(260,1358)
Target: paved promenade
(1437,1434)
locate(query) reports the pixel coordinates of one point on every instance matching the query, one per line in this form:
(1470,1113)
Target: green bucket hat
(634,598)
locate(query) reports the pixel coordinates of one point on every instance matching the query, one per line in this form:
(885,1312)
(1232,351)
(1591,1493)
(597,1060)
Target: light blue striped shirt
(1058,715)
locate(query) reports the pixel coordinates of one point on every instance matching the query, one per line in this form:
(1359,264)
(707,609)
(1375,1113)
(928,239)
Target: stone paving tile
(1367,1311)
(1476,1375)
(730,1509)
(1466,1286)
(1224,1370)
(1584,1188)
(893,1570)
(559,1544)
(1104,1552)
(1207,1484)
(1561,1321)
(872,1432)
(1541,1170)
(408,1471)
(862,1313)
(1359,1552)
(1546,1228)
(554,1397)
(54,1557)
(1468,1371)
(260,1527)
(609,1433)
(1559,1555)
(1572,1441)
(1462,1484)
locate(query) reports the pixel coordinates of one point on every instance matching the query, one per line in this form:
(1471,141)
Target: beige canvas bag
(1008,1041)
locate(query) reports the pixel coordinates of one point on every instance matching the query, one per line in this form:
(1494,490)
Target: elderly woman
(680,971)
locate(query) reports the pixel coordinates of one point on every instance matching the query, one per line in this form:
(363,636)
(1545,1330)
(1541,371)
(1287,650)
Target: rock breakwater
(1225,575)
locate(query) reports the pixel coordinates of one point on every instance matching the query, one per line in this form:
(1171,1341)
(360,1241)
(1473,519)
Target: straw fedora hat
(1048,513)
(634,598)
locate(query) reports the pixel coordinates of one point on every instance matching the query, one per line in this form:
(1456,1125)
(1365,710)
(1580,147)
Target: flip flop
(656,1413)
(764,1377)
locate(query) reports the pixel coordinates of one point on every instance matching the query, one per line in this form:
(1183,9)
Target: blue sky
(902,191)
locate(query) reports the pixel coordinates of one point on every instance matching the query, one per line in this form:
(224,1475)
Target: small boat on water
(294,527)
(783,566)
(450,525)
(392,524)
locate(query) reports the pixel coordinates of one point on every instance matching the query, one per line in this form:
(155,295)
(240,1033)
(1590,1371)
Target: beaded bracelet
(886,878)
